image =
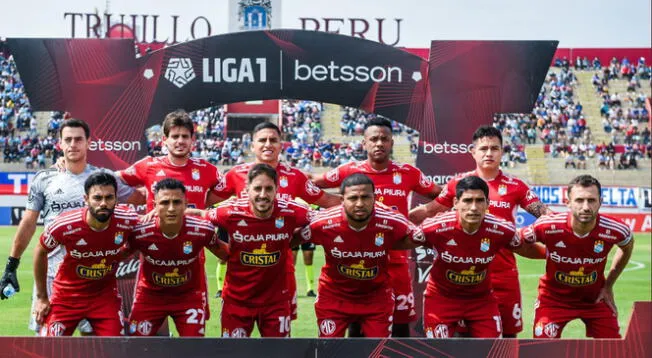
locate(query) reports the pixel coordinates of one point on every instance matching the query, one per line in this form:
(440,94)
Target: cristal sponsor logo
(446,148)
(170,279)
(234,70)
(88,254)
(346,73)
(450,258)
(466,277)
(113,146)
(260,257)
(336,253)
(554,256)
(157,262)
(576,278)
(95,271)
(358,271)
(179,71)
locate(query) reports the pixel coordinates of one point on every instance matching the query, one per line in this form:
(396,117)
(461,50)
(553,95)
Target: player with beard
(85,285)
(259,227)
(170,279)
(394,183)
(292,183)
(354,285)
(51,193)
(578,243)
(506,194)
(465,241)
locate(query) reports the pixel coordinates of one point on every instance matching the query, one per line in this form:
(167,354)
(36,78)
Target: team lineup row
(364,233)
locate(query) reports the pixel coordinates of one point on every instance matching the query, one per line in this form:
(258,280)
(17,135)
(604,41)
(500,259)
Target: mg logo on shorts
(327,327)
(56,329)
(145,328)
(441,331)
(551,330)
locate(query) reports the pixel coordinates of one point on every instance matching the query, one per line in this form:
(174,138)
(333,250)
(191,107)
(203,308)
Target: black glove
(9,276)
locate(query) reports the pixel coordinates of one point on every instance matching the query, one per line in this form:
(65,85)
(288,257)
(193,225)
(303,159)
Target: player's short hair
(356,179)
(262,169)
(76,123)
(100,178)
(178,118)
(265,125)
(170,184)
(380,122)
(585,181)
(471,182)
(487,131)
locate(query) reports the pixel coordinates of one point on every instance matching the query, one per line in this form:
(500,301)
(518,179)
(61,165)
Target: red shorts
(401,282)
(103,313)
(150,311)
(507,291)
(551,316)
(292,287)
(441,315)
(374,316)
(272,320)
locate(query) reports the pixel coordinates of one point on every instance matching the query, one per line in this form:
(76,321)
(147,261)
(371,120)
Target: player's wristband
(12,264)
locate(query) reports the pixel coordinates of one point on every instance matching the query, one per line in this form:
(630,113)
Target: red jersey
(170,266)
(92,257)
(394,185)
(292,183)
(198,175)
(506,194)
(356,261)
(462,260)
(575,265)
(256,273)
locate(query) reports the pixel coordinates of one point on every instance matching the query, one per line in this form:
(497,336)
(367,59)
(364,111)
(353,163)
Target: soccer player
(260,228)
(51,193)
(85,285)
(292,183)
(578,244)
(506,193)
(394,183)
(354,285)
(466,242)
(170,280)
(198,175)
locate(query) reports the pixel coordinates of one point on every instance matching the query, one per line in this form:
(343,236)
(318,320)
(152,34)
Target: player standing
(292,183)
(394,183)
(260,228)
(354,285)
(85,285)
(578,244)
(506,194)
(170,280)
(466,241)
(51,193)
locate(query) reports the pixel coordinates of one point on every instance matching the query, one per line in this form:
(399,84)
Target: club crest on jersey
(379,239)
(283,181)
(195,174)
(502,189)
(485,244)
(397,179)
(598,246)
(280,222)
(187,247)
(119,236)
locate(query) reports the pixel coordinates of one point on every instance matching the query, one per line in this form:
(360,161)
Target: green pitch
(633,285)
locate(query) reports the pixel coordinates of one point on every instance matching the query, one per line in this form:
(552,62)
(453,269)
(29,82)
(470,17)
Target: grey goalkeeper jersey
(53,192)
